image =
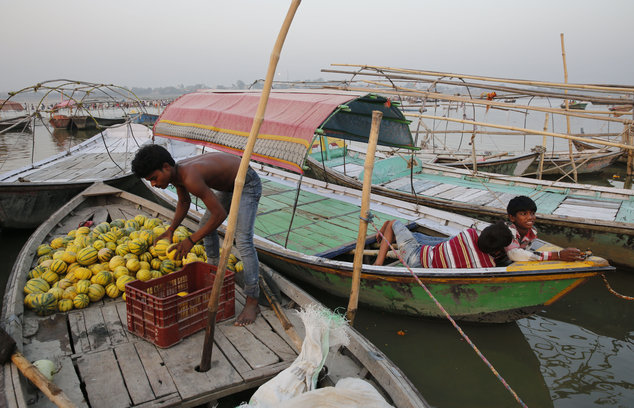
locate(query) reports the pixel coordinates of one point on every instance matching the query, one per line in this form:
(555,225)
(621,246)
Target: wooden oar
(365,210)
(52,391)
(212,309)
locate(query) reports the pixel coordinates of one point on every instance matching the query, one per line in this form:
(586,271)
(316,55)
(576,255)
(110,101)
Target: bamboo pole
(435,95)
(212,308)
(365,211)
(598,88)
(541,156)
(567,102)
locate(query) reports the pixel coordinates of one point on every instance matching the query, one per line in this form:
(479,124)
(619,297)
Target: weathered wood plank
(157,374)
(263,331)
(78,332)
(96,329)
(111,318)
(252,350)
(107,391)
(134,375)
(181,360)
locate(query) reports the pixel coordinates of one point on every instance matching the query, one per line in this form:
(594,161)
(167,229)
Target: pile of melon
(89,264)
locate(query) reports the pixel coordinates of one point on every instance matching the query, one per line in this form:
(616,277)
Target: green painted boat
(323,232)
(307,228)
(584,216)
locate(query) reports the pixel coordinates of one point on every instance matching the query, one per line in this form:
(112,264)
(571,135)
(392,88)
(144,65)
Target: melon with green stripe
(36,285)
(64,305)
(96,292)
(81,301)
(44,304)
(122,280)
(87,256)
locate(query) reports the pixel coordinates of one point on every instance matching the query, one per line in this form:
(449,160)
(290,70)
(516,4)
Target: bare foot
(249,313)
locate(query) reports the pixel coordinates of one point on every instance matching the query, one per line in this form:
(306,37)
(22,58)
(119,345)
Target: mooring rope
(448,316)
(612,291)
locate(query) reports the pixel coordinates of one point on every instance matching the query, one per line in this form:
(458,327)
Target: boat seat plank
(453,193)
(589,213)
(591,202)
(67,380)
(181,360)
(293,317)
(626,212)
(134,376)
(157,374)
(78,332)
(548,202)
(116,331)
(253,350)
(470,195)
(441,188)
(107,391)
(501,201)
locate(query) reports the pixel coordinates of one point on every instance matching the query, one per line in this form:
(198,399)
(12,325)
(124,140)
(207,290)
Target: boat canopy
(10,105)
(223,120)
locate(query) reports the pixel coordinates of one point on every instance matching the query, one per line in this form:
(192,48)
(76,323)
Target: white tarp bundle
(295,387)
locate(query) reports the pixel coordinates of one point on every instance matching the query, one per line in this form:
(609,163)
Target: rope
(612,291)
(453,322)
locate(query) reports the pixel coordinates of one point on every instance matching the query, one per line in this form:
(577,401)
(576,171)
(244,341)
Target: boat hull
(498,299)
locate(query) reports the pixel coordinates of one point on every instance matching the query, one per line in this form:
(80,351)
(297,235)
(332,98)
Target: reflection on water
(581,368)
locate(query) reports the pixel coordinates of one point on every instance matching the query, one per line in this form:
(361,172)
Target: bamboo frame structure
(212,308)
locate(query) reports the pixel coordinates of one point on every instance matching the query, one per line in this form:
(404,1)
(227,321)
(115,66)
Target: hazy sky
(155,43)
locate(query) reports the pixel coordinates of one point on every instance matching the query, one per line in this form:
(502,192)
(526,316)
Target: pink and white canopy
(223,120)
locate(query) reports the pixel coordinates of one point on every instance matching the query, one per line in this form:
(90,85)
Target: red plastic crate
(157,313)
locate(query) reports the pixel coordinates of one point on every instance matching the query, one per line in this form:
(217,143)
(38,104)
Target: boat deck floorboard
(91,341)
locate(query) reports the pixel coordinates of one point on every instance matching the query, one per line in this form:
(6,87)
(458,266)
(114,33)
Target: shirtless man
(209,177)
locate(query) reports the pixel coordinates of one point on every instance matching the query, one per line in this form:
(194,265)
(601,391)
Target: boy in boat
(465,250)
(521,212)
(211,178)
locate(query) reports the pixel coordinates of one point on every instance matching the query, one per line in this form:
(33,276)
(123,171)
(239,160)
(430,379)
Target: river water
(578,352)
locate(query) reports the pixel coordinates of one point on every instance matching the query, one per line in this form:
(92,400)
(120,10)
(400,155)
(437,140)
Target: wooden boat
(82,122)
(16,124)
(60,121)
(504,163)
(314,246)
(575,105)
(143,118)
(29,195)
(586,162)
(101,364)
(568,214)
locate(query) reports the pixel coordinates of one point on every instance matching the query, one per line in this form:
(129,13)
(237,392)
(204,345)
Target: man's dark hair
(150,157)
(494,238)
(520,203)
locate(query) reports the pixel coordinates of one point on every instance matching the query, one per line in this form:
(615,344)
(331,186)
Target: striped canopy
(223,120)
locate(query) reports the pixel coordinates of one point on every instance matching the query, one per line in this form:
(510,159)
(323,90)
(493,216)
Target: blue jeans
(244,231)
(410,243)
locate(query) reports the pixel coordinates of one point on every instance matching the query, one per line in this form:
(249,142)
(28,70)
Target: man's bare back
(218,170)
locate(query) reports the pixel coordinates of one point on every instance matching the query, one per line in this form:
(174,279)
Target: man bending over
(211,178)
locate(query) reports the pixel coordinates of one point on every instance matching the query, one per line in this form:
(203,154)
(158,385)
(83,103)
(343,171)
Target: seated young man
(465,250)
(521,212)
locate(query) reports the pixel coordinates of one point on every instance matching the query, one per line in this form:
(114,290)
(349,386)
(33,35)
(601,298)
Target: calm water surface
(577,353)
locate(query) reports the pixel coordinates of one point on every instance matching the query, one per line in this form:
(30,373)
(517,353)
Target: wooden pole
(543,152)
(572,159)
(365,212)
(212,309)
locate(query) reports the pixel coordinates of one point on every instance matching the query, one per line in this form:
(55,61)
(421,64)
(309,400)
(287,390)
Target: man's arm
(182,207)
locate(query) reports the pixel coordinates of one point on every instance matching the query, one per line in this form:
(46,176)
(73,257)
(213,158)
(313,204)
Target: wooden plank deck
(89,342)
